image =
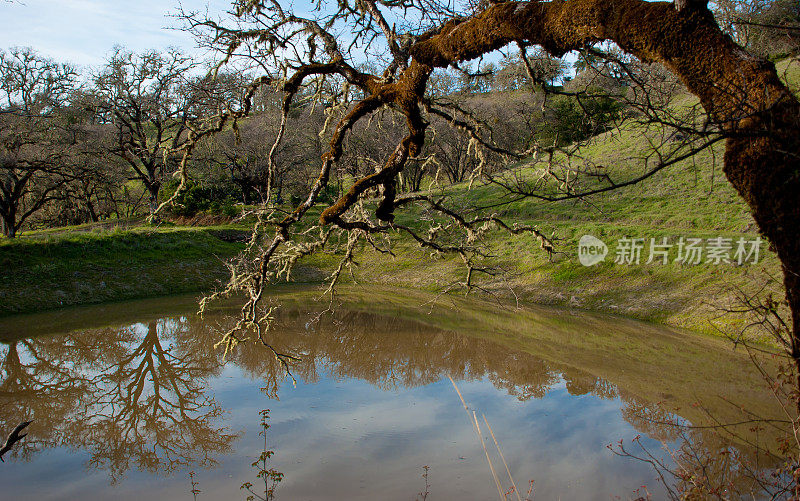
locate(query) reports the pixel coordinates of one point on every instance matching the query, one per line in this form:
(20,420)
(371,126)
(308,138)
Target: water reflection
(390,352)
(393,352)
(131,396)
(139,396)
(152,408)
(44,380)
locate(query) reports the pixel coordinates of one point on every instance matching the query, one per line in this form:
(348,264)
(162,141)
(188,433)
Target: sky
(83,32)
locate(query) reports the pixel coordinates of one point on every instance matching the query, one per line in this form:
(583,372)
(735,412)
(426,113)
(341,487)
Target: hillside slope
(691,199)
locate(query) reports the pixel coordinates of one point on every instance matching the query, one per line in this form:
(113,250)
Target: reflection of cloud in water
(369,411)
(427,425)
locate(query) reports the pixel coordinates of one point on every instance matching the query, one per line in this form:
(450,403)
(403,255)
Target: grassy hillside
(684,202)
(691,199)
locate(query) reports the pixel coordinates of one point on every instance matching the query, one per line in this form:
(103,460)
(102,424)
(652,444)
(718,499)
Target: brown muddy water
(127,399)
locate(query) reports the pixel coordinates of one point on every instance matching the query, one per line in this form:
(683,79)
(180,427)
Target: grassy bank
(48,270)
(41,271)
(690,200)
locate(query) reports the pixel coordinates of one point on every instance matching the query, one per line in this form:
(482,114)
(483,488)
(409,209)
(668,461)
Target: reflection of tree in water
(131,396)
(581,383)
(136,396)
(706,465)
(392,352)
(653,420)
(46,380)
(152,407)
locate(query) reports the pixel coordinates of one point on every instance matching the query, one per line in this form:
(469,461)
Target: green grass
(49,270)
(691,199)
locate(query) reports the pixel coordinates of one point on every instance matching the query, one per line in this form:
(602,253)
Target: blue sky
(83,32)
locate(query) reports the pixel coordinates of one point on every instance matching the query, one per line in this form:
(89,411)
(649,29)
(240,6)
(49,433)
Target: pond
(127,399)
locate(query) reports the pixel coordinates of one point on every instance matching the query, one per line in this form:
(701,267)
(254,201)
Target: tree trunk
(91,210)
(153,188)
(8,223)
(153,202)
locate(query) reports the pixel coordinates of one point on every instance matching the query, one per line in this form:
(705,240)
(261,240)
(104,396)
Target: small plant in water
(422,496)
(195,491)
(269,475)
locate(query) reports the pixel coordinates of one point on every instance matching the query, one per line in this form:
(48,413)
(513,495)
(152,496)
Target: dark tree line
(107,145)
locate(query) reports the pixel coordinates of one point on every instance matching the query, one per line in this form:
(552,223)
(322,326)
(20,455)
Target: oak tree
(746,105)
(37,133)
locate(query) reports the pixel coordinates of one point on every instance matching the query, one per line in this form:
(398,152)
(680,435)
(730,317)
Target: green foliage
(328,195)
(51,270)
(215,199)
(569,118)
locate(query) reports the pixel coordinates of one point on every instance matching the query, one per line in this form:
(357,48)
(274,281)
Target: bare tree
(36,136)
(243,154)
(95,179)
(148,100)
(765,27)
